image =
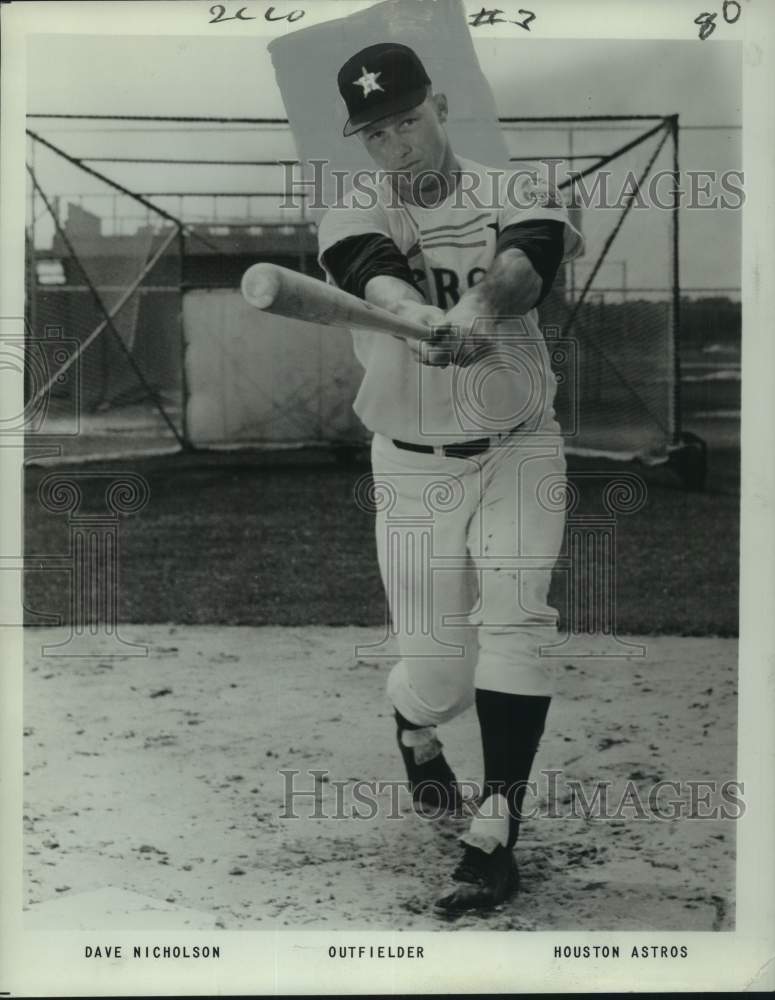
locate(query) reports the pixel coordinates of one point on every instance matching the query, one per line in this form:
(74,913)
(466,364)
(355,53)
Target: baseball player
(466,448)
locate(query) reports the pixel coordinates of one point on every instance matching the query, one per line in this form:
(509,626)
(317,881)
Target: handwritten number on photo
(219,14)
(486,18)
(730,11)
(707,23)
(530,16)
(725,10)
(293,16)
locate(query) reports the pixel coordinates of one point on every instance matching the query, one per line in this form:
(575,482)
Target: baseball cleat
(485,880)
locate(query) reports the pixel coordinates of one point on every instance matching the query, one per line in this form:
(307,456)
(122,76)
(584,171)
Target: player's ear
(439,102)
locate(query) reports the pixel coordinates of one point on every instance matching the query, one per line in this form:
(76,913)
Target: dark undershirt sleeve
(542,242)
(355,260)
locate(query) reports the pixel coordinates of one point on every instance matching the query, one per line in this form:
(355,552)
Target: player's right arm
(402,299)
(359,256)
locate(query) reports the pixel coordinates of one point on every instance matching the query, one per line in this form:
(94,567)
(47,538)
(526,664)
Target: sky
(196,75)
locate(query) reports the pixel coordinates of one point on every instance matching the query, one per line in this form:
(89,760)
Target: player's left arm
(528,256)
(511,287)
(536,237)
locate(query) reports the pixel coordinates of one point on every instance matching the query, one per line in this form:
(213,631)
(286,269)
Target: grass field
(278,539)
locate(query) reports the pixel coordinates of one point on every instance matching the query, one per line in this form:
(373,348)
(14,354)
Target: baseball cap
(381,80)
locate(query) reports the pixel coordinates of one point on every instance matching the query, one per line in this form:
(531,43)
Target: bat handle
(396,325)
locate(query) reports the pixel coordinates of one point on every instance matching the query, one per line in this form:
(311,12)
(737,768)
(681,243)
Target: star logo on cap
(368,81)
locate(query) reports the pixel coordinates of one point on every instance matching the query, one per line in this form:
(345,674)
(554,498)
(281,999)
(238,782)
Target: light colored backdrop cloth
(307,61)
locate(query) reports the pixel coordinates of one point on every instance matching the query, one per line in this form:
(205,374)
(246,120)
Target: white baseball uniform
(466,545)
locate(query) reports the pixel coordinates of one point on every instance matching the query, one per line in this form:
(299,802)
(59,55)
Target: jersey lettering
(447,287)
(419,278)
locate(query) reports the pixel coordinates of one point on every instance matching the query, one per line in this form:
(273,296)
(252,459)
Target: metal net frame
(110,381)
(618,347)
(603,401)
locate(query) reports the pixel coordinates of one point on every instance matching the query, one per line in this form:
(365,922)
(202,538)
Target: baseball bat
(288,293)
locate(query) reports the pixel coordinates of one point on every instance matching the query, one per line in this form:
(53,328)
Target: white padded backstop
(256,378)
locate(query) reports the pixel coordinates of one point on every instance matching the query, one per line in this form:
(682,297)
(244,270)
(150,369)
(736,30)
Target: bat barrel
(299,296)
(261,285)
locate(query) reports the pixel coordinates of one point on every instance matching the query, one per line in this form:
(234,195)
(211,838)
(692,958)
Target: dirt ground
(154,782)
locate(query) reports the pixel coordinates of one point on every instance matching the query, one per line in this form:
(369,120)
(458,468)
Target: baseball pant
(466,548)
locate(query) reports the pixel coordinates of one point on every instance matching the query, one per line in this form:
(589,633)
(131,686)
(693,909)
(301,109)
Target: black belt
(463,449)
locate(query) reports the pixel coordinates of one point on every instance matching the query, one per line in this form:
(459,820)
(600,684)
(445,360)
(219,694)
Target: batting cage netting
(102,314)
(615,311)
(139,339)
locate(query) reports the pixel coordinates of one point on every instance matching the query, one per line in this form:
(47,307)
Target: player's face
(410,143)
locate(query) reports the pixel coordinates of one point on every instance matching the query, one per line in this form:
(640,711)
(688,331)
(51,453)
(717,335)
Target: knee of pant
(522,643)
(451,700)
(437,701)
(516,670)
